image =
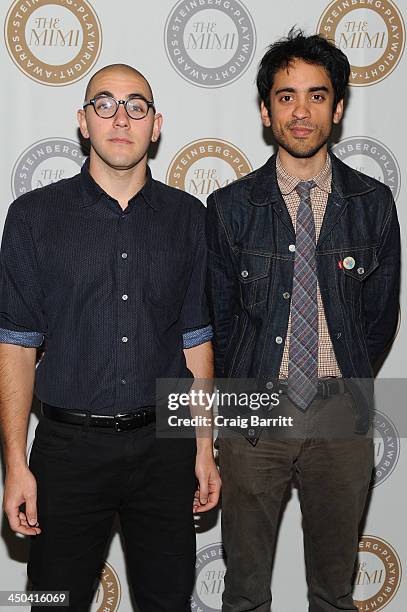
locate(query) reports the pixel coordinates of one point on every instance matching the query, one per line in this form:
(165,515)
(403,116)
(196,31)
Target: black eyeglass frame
(92,102)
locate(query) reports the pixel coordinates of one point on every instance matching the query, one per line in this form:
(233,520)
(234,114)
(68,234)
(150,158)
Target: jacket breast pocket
(254,275)
(357,266)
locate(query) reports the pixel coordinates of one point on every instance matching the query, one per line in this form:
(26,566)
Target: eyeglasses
(106,107)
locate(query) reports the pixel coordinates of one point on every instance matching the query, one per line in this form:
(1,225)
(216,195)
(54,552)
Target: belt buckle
(117,422)
(142,415)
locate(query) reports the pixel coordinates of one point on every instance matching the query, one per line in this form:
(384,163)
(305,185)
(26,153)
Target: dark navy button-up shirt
(113,295)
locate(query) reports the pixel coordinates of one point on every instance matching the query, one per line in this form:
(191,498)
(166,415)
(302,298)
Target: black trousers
(333,468)
(85,477)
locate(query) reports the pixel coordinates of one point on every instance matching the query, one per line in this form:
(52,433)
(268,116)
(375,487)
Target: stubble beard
(301,150)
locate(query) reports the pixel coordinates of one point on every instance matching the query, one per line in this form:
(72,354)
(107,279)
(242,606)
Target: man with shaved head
(105,272)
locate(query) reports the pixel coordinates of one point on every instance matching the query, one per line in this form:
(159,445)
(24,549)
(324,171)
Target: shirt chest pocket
(253,272)
(168,276)
(357,266)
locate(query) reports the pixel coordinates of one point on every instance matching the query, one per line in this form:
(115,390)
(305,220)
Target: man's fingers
(31,510)
(13,518)
(20,502)
(24,522)
(211,498)
(204,508)
(198,504)
(209,483)
(203,490)
(32,531)
(19,523)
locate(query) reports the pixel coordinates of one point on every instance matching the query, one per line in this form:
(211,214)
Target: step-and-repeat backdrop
(201,58)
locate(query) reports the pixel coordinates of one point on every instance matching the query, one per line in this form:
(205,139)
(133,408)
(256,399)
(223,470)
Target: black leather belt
(326,387)
(118,422)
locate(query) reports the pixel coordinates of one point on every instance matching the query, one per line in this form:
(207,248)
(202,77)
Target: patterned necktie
(303,349)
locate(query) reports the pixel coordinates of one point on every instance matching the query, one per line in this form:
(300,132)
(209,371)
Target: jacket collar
(346,182)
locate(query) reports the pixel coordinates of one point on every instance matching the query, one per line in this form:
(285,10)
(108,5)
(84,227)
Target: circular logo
(386,447)
(210,43)
(371,34)
(370,157)
(54,42)
(45,162)
(205,165)
(108,593)
(378,574)
(209,579)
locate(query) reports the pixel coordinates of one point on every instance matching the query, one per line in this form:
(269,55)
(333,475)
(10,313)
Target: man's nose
(301,110)
(121,118)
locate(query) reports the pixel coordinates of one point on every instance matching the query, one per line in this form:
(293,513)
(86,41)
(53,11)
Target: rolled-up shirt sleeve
(22,318)
(195,315)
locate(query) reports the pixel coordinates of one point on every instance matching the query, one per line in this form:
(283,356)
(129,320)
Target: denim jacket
(251,242)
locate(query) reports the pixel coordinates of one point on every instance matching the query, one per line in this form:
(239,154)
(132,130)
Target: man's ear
(338,112)
(265,115)
(83,126)
(158,121)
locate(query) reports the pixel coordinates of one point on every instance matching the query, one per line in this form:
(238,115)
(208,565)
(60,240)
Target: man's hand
(209,482)
(21,488)
(17,371)
(199,360)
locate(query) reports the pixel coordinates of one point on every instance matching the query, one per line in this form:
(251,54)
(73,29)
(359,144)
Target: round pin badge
(348,263)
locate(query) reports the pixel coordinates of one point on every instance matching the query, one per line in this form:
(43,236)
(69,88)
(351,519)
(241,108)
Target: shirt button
(279,340)
(251,433)
(269,385)
(124,296)
(361,270)
(291,248)
(124,255)
(286,295)
(123,381)
(124,339)
(244,274)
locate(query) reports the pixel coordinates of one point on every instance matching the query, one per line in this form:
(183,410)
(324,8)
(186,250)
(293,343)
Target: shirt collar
(288,183)
(92,192)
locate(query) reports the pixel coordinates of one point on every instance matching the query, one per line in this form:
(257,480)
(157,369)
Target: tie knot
(304,187)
